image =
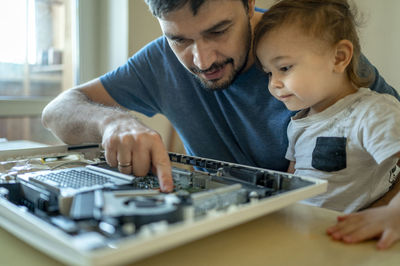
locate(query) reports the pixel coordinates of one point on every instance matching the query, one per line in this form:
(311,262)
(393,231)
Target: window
(32,67)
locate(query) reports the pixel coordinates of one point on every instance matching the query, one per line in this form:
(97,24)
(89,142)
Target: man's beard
(212,85)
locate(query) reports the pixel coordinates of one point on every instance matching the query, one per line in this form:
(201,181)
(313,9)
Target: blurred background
(51,45)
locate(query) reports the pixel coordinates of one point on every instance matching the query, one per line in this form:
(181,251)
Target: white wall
(87,40)
(113,42)
(103,37)
(380,36)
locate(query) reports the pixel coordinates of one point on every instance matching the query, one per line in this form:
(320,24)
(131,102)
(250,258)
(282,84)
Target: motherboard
(111,214)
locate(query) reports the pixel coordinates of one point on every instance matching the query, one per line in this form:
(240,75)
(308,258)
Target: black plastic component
(251,176)
(138,209)
(32,197)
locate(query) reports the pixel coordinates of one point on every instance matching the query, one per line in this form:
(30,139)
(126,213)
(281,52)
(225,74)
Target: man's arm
(89,114)
(74,116)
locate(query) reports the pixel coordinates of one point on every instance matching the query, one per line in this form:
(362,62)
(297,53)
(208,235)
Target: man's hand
(128,144)
(134,149)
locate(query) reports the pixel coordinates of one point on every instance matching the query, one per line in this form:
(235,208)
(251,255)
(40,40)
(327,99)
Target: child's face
(301,69)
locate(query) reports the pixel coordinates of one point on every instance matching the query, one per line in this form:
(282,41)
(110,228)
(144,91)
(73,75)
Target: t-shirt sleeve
(380,128)
(134,85)
(290,150)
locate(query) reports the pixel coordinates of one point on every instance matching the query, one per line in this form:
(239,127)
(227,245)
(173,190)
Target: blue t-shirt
(243,124)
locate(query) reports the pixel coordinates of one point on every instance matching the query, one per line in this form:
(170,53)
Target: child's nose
(275,82)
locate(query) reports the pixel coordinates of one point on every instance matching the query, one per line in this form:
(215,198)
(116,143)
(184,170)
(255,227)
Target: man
(201,76)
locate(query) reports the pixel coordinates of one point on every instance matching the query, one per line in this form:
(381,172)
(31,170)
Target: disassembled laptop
(95,215)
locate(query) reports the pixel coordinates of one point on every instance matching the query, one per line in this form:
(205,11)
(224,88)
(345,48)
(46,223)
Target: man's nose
(203,55)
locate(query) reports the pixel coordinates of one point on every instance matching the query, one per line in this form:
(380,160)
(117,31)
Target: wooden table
(292,236)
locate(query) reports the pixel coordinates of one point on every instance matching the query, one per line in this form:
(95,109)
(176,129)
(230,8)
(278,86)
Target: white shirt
(357,139)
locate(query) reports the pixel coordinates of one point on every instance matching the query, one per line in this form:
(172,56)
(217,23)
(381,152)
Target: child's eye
(269,74)
(285,68)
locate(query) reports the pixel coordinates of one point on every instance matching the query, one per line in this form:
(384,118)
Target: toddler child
(343,133)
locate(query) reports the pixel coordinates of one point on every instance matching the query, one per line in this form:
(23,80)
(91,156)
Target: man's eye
(179,41)
(220,32)
(285,68)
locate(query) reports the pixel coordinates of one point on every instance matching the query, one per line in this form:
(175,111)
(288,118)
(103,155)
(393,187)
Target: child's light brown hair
(329,20)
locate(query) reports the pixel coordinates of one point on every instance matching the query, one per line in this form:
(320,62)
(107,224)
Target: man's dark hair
(160,8)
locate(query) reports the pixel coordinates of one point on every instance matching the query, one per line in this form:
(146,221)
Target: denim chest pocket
(329,154)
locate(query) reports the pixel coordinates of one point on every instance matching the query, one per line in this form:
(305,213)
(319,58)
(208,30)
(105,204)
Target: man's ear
(343,55)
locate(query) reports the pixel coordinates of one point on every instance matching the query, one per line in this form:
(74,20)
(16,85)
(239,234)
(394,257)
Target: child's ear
(343,55)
